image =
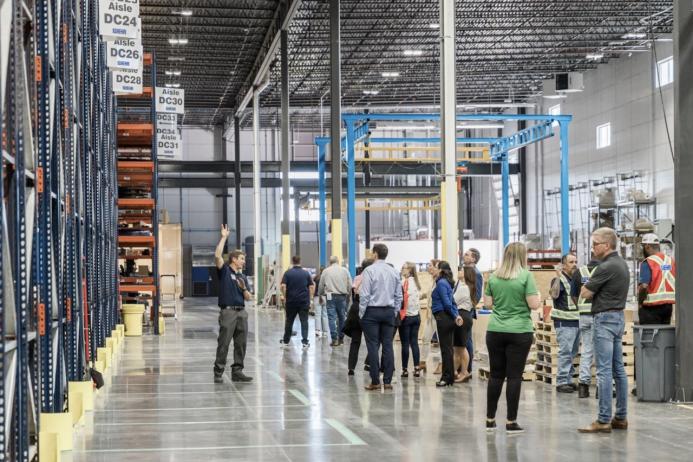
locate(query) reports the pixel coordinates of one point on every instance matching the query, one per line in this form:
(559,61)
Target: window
(664,73)
(555,110)
(603,135)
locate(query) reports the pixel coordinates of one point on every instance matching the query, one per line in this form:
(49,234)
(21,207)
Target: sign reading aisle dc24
(170,100)
(118,18)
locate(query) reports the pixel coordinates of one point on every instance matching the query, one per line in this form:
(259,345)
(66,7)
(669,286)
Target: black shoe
(574,386)
(442,384)
(634,391)
(218,378)
(334,343)
(306,345)
(240,377)
(564,389)
(583,390)
(351,372)
(405,373)
(341,341)
(491,425)
(514,428)
(294,333)
(366,367)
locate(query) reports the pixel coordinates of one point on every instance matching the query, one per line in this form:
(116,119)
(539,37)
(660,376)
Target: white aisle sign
(118,18)
(171,100)
(168,140)
(124,54)
(127,81)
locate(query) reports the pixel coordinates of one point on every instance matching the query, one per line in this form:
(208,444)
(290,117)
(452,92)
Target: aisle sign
(124,53)
(127,81)
(119,18)
(171,100)
(168,140)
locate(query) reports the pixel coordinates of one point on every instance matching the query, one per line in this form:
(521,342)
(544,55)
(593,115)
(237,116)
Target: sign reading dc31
(171,100)
(118,18)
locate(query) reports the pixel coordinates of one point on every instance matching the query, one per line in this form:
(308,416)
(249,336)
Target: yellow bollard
(48,447)
(60,423)
(75,406)
(110,344)
(87,390)
(162,325)
(121,330)
(100,366)
(116,337)
(104,354)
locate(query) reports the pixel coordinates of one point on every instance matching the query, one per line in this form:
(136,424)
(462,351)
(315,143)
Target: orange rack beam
(137,288)
(136,204)
(136,241)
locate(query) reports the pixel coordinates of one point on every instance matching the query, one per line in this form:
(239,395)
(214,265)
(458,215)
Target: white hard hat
(650,238)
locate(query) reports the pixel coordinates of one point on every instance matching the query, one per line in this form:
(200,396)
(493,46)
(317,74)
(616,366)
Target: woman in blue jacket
(447,317)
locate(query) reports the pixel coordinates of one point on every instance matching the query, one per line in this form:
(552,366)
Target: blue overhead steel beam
(529,135)
(477,117)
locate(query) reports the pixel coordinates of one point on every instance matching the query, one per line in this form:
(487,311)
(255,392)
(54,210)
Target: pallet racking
(138,222)
(58,292)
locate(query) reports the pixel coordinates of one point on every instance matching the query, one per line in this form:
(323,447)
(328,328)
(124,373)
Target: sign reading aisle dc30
(118,18)
(171,100)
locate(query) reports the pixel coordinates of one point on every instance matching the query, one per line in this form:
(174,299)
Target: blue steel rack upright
(57,221)
(357,130)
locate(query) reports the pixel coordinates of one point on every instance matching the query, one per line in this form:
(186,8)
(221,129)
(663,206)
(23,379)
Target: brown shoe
(372,387)
(596,427)
(387,386)
(619,424)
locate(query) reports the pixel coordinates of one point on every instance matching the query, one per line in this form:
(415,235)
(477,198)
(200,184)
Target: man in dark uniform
(233,318)
(298,289)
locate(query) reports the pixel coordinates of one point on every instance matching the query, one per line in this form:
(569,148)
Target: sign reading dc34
(171,100)
(118,18)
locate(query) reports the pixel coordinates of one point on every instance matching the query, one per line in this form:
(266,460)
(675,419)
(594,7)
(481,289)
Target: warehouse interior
(134,130)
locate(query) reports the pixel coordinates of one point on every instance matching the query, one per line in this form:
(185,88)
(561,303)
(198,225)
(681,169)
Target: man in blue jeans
(582,276)
(380,301)
(566,321)
(335,286)
(608,289)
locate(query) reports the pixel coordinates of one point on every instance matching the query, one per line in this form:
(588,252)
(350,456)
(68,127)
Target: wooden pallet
(485,374)
(552,358)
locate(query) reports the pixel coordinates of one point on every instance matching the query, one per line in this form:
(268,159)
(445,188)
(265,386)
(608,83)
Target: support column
(286,220)
(565,186)
(257,214)
(351,199)
(322,200)
(522,160)
(225,191)
(297,225)
(367,182)
(435,233)
(683,171)
(237,179)
(448,112)
(335,127)
(505,186)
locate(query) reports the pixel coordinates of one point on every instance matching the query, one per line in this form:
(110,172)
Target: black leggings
(507,354)
(446,330)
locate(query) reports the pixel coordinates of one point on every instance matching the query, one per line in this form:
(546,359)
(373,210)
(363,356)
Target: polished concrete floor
(161,405)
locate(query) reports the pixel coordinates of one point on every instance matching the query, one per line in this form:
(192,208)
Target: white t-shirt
(462,297)
(413,301)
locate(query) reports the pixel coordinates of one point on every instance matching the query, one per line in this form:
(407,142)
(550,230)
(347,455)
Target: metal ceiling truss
(505,48)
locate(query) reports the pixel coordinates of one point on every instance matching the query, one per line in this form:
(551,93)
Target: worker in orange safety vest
(657,289)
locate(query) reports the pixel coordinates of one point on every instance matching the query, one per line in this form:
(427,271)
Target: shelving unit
(137,197)
(58,293)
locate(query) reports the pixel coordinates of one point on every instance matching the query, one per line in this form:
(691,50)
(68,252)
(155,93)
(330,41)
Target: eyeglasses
(595,244)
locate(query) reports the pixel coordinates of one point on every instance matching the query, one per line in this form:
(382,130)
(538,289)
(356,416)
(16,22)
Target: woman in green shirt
(512,293)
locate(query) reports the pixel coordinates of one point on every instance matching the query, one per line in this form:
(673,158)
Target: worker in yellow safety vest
(657,289)
(581,276)
(566,319)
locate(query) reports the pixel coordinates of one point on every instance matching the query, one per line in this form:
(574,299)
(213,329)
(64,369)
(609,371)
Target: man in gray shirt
(608,289)
(380,301)
(335,286)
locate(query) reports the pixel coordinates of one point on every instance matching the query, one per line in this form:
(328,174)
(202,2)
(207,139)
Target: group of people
(589,303)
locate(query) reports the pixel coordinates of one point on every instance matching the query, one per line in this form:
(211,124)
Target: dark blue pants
(409,336)
(379,329)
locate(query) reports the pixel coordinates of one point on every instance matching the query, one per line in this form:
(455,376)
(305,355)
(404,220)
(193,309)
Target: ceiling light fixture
(178,41)
(413,52)
(595,56)
(556,96)
(172,85)
(176,58)
(173,73)
(634,35)
(390,74)
(370,92)
(184,12)
(434,26)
